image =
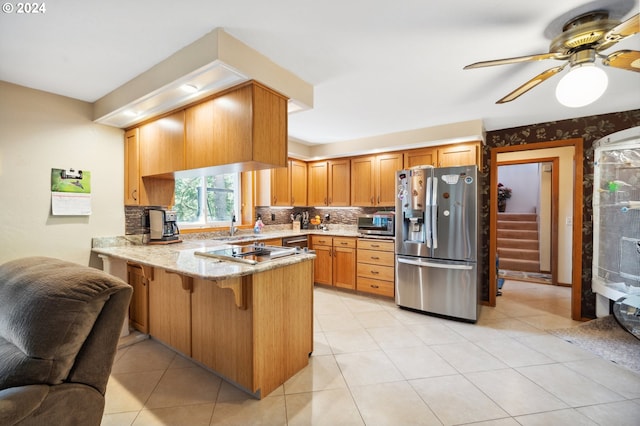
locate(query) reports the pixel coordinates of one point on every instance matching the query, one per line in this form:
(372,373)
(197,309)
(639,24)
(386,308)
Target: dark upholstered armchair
(59,328)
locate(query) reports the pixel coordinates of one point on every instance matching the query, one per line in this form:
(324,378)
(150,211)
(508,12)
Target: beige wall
(40,131)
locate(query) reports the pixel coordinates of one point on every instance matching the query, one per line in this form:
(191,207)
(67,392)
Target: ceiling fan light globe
(581,86)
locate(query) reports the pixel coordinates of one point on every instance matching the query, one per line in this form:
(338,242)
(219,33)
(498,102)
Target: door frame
(555,189)
(576,255)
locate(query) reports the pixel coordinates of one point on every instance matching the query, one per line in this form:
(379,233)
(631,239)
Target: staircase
(518,242)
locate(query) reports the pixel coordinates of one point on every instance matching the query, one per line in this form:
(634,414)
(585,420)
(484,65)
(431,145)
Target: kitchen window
(207,201)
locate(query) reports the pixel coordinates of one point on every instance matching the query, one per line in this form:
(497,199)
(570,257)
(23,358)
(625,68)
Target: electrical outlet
(273,216)
(327,217)
(569,221)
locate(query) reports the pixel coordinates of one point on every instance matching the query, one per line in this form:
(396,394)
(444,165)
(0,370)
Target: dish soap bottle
(257,228)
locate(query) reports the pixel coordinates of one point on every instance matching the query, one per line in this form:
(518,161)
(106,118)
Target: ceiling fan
(582,40)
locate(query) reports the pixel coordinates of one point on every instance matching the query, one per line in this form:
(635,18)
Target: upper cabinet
(246,125)
(131,168)
(463,154)
(282,186)
(373,179)
(162,145)
(298,183)
(420,157)
(328,183)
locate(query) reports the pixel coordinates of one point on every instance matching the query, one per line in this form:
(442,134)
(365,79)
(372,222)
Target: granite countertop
(181,257)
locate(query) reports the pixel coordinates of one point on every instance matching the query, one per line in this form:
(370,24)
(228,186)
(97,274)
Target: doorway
(570,179)
(527,240)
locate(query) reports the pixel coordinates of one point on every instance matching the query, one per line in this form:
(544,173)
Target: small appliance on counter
(380,223)
(163,226)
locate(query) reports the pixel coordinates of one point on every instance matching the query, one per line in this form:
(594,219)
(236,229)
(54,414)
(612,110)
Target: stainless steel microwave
(376,224)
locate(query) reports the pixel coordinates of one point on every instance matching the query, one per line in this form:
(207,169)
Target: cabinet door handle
(133,194)
(374,258)
(293,200)
(372,198)
(344,243)
(375,245)
(378,199)
(375,286)
(330,201)
(324,201)
(375,272)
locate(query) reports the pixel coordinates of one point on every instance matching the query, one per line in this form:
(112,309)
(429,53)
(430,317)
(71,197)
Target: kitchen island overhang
(250,324)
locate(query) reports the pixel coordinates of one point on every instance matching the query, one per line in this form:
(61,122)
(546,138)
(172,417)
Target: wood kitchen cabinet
(323,263)
(373,179)
(162,145)
(138,278)
(131,168)
(246,124)
(327,183)
(420,157)
(170,309)
(317,186)
(138,190)
(376,267)
(344,262)
(335,262)
(282,186)
(463,154)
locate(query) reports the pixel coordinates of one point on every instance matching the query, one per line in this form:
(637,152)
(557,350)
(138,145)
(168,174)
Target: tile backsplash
(135,216)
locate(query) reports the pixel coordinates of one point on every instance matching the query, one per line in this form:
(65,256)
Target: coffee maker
(163,225)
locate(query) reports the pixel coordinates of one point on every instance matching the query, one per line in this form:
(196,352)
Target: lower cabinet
(335,262)
(254,330)
(138,278)
(170,309)
(375,270)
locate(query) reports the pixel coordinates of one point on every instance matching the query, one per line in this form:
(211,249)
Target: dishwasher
(297,241)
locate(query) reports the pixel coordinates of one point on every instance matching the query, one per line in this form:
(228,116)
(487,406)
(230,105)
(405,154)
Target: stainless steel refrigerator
(437,267)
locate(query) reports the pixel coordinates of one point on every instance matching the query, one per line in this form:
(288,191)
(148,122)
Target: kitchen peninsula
(251,324)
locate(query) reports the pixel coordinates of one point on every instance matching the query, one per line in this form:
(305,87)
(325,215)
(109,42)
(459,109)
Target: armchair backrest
(59,322)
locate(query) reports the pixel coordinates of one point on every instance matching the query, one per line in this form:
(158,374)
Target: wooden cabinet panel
(344,265)
(373,179)
(362,181)
(317,193)
(379,287)
(131,168)
(376,267)
(375,257)
(373,244)
(338,183)
(162,145)
(281,186)
(170,309)
(323,263)
(298,183)
(139,306)
(199,146)
(232,126)
(387,166)
(385,273)
(465,154)
(420,157)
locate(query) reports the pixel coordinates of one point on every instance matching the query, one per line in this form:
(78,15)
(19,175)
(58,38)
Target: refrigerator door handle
(434,265)
(434,213)
(427,212)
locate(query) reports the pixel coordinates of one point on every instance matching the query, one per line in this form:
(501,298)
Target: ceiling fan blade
(531,84)
(528,58)
(625,59)
(624,29)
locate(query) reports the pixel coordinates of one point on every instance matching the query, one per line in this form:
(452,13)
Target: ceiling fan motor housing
(583,32)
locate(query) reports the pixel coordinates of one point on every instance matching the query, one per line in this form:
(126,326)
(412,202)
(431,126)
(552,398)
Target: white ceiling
(377,66)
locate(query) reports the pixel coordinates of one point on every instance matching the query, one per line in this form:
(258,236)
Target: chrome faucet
(232,229)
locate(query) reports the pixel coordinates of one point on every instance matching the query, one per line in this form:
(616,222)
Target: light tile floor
(376,364)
